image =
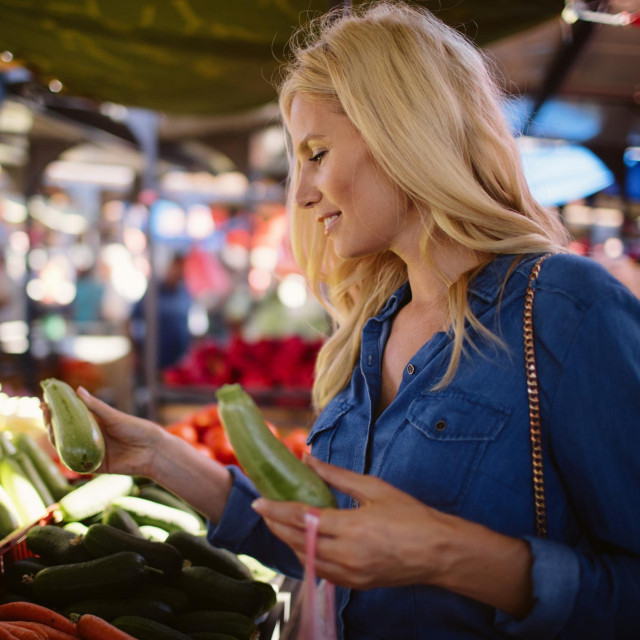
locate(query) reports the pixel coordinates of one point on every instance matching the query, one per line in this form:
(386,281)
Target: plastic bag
(318,620)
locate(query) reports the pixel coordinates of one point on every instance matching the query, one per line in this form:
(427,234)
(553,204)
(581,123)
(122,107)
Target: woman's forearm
(479,563)
(202,482)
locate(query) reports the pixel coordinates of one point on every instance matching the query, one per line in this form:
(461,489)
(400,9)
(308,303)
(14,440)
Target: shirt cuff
(555,575)
(238,518)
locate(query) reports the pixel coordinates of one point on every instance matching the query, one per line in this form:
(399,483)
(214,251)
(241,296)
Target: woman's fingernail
(257,504)
(83,392)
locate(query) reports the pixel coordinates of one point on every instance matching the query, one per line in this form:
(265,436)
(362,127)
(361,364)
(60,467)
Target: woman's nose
(307,195)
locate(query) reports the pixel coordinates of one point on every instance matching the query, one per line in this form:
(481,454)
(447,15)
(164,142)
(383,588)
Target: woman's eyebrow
(305,141)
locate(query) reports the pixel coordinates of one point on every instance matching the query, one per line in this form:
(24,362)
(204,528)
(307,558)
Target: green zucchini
(23,495)
(18,576)
(77,528)
(7,448)
(56,545)
(48,470)
(156,494)
(276,472)
(145,629)
(103,540)
(211,635)
(92,497)
(34,477)
(234,624)
(110,608)
(201,553)
(176,599)
(9,518)
(119,575)
(120,519)
(212,590)
(77,436)
(158,515)
(154,533)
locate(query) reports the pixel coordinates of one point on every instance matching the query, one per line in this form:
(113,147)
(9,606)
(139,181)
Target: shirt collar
(487,284)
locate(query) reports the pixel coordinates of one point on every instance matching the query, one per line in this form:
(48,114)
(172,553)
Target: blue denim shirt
(465,450)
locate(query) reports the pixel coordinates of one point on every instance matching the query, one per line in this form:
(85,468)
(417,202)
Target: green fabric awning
(196,56)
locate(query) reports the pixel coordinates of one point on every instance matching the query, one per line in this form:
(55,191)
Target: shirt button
(369,359)
(411,369)
(441,425)
(354,503)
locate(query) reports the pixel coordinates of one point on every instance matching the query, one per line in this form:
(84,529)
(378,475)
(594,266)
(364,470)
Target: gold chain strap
(534,405)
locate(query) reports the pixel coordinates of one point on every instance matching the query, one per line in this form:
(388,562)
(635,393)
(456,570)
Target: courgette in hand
(277,473)
(76,434)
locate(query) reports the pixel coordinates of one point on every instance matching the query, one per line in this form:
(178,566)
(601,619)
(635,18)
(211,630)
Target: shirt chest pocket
(321,437)
(439,449)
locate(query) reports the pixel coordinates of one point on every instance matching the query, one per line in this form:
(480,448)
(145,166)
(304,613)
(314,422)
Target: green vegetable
(47,469)
(156,494)
(56,545)
(145,629)
(158,515)
(93,497)
(154,533)
(120,519)
(21,492)
(34,477)
(77,437)
(9,518)
(233,624)
(110,608)
(275,471)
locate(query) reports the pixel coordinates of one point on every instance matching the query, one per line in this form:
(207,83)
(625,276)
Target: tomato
(202,448)
(217,440)
(185,431)
(206,417)
(296,442)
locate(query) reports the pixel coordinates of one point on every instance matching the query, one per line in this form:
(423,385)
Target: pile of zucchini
(30,481)
(133,554)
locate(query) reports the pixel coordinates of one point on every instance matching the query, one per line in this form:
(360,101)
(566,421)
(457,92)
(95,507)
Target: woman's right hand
(130,442)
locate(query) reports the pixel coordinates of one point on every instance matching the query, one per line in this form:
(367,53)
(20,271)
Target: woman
(412,221)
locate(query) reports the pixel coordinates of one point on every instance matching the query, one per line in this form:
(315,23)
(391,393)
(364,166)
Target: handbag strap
(533,396)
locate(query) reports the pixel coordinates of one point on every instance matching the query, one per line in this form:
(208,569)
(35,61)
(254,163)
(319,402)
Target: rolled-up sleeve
(591,590)
(242,530)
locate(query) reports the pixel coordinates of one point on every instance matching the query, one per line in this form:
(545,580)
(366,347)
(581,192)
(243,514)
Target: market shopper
(411,219)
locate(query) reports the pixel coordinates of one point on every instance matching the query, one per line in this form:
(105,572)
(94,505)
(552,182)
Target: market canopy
(198,57)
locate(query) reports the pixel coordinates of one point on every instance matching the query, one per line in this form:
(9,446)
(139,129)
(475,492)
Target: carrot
(5,634)
(31,612)
(94,628)
(22,634)
(46,631)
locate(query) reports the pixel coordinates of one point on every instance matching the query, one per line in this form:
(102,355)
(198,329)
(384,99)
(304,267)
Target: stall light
(6,56)
(15,118)
(13,211)
(64,292)
(104,174)
(54,327)
(82,256)
(135,240)
(264,258)
(37,259)
(55,86)
(16,265)
(142,265)
(200,223)
(235,256)
(259,279)
(292,291)
(113,210)
(56,219)
(613,247)
(128,282)
(13,330)
(35,289)
(117,112)
(168,220)
(97,349)
(19,242)
(198,320)
(15,346)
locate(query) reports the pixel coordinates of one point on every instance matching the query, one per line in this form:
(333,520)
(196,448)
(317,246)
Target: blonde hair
(423,100)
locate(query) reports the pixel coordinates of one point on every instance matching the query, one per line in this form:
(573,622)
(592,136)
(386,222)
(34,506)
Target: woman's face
(341,186)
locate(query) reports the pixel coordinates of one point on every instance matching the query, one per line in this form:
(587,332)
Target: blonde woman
(413,224)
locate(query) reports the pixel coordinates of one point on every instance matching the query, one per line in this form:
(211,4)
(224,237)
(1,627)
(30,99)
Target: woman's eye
(317,157)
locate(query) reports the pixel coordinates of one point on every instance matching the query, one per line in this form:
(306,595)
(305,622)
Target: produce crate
(13,547)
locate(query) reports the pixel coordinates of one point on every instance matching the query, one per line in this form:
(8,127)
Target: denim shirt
(465,450)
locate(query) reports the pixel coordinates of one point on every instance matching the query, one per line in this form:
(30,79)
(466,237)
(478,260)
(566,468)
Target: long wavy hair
(426,105)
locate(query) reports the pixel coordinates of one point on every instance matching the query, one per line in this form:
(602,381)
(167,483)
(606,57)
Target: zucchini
(78,528)
(120,519)
(121,575)
(211,635)
(9,518)
(23,495)
(18,576)
(158,515)
(76,434)
(233,624)
(7,448)
(212,590)
(110,608)
(176,599)
(145,629)
(56,545)
(156,494)
(154,533)
(92,497)
(201,553)
(34,477)
(48,470)
(276,472)
(103,540)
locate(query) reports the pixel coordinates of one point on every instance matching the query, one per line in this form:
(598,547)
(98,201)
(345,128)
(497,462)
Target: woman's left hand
(391,539)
